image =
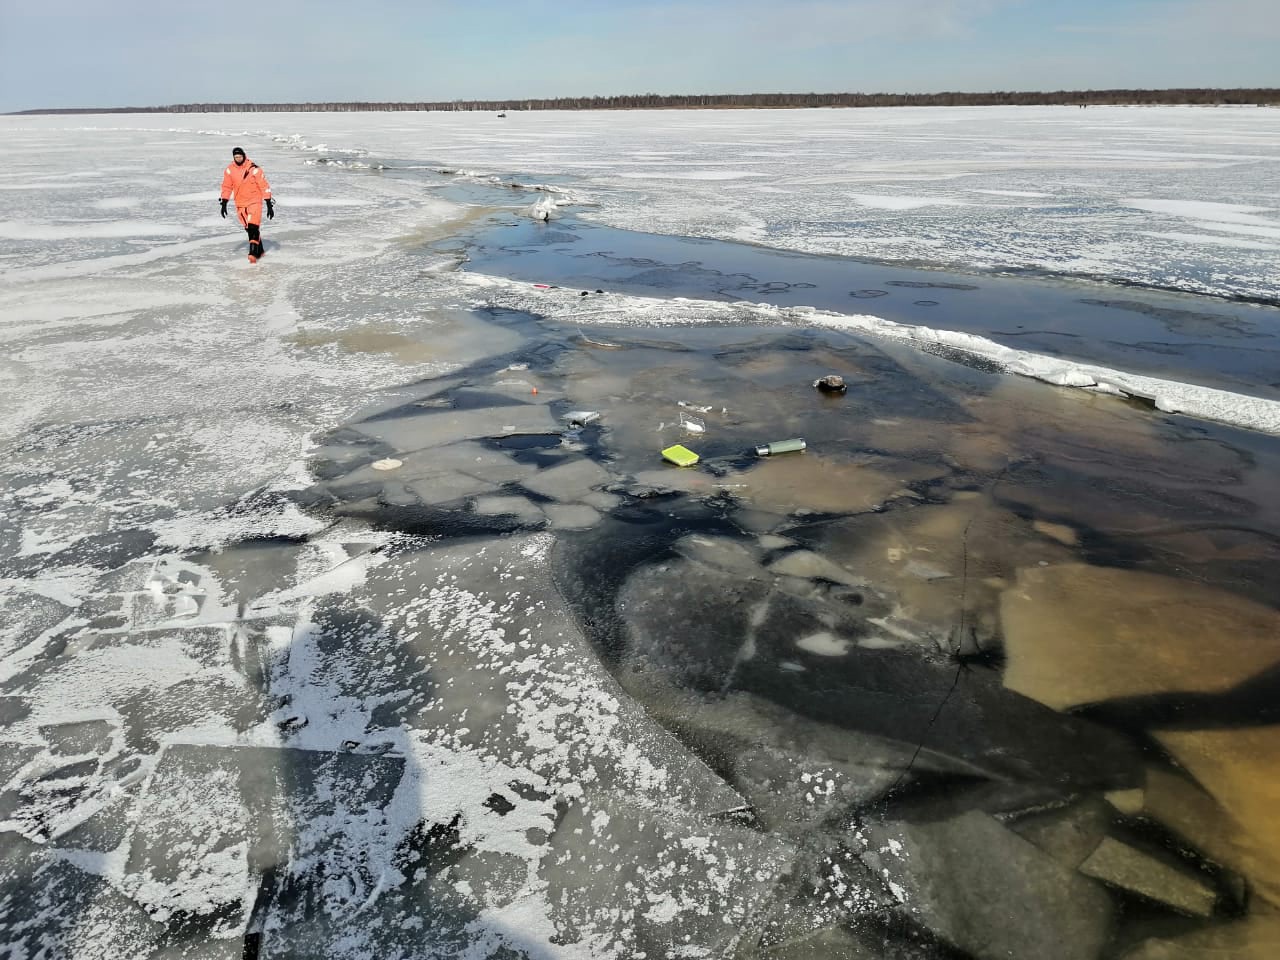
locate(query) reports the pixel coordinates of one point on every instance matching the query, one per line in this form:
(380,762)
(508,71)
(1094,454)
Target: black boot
(255,242)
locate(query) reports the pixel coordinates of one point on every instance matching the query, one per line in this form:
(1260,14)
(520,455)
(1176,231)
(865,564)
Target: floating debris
(680,455)
(601,344)
(694,407)
(780,446)
(390,463)
(692,424)
(831,383)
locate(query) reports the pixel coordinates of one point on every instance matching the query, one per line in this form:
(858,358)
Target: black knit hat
(239,150)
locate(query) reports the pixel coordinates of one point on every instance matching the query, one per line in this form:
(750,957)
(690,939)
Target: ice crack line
(958,652)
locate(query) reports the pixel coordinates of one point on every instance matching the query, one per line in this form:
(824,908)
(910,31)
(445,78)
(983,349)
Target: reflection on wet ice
(939,566)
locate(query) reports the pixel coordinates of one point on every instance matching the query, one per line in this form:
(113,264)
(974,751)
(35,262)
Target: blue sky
(58,53)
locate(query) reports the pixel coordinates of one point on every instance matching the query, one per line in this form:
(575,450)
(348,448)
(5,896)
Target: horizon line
(1269,95)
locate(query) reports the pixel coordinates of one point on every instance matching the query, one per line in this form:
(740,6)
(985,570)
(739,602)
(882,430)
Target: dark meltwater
(1027,635)
(1234,346)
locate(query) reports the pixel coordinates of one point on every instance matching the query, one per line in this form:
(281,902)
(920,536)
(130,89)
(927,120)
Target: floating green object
(780,446)
(680,455)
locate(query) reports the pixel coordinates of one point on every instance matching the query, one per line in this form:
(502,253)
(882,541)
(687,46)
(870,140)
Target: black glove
(224,208)
(271,209)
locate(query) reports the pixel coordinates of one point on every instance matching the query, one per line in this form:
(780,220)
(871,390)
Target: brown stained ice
(1077,634)
(1061,532)
(943,563)
(398,346)
(823,484)
(1179,650)
(435,337)
(1237,767)
(1254,937)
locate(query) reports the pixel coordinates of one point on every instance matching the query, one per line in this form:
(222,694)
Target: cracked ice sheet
(225,316)
(145,384)
(462,659)
(164,662)
(147,653)
(458,664)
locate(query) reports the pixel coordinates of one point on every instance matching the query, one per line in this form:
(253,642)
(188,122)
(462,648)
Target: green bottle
(780,446)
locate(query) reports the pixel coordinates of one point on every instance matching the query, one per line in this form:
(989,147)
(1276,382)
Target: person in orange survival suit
(247,182)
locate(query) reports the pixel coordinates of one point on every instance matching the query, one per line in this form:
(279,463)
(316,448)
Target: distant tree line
(655,101)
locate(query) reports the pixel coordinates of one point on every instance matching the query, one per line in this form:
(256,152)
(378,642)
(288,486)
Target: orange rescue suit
(249,184)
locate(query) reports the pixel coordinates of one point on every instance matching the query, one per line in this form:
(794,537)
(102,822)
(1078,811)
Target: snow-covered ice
(527,693)
(1146,195)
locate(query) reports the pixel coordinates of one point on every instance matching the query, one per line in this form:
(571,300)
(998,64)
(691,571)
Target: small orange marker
(535,391)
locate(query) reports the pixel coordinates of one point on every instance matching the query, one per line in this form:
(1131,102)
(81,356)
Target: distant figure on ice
(247,182)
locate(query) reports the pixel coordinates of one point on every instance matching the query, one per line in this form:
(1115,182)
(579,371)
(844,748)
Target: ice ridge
(1168,396)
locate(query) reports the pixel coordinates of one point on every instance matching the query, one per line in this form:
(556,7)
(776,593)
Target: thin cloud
(818,24)
(1091,29)
(1187,20)
(1256,19)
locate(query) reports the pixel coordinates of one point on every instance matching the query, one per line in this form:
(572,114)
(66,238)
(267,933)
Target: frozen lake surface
(1171,197)
(347,608)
